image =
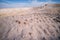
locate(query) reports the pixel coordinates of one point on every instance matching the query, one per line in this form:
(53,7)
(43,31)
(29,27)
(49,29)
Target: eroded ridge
(30,27)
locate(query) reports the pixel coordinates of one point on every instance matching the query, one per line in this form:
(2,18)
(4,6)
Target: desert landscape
(30,23)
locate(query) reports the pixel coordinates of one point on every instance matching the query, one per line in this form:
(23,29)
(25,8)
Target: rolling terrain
(31,23)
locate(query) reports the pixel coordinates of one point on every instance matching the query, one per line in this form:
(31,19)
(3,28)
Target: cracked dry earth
(33,26)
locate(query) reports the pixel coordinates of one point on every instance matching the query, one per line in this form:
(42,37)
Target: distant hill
(53,5)
(55,9)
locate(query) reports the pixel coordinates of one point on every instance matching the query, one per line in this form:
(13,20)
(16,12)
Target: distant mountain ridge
(53,5)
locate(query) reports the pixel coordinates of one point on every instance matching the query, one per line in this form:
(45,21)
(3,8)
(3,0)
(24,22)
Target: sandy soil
(34,23)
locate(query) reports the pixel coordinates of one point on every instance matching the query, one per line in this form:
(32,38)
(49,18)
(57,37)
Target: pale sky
(25,3)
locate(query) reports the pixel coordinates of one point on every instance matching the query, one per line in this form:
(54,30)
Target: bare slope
(30,23)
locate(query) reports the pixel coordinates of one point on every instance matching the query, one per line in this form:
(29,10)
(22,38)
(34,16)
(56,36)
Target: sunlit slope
(13,11)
